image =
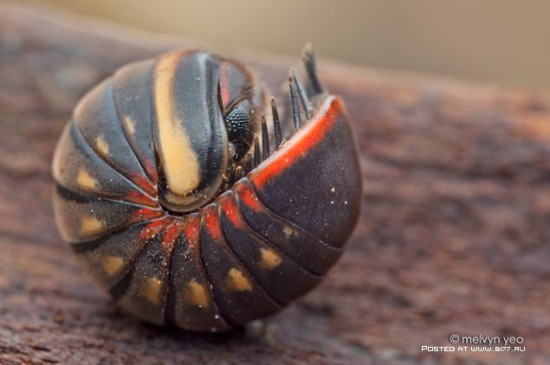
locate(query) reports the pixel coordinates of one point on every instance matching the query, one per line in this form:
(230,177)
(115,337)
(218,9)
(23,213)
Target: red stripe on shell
(153,228)
(304,140)
(231,210)
(136,196)
(151,171)
(247,196)
(145,214)
(192,230)
(224,86)
(211,221)
(143,183)
(171,233)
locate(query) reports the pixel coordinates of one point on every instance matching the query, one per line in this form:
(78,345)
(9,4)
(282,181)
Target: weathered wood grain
(454,235)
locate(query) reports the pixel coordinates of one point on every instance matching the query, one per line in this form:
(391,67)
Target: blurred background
(499,41)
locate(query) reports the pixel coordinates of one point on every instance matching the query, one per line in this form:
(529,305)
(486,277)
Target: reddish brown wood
(454,235)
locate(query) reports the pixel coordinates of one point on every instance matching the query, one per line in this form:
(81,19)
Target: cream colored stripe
(180,163)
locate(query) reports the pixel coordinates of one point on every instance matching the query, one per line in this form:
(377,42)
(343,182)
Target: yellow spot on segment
(130,125)
(180,164)
(196,294)
(112,264)
(90,224)
(152,290)
(101,145)
(288,231)
(85,180)
(270,259)
(237,281)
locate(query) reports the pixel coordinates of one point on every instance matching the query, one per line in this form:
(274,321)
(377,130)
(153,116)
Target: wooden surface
(454,234)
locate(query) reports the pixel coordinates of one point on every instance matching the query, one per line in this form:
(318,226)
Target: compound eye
(239,129)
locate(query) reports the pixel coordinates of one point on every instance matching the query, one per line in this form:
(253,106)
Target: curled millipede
(194,200)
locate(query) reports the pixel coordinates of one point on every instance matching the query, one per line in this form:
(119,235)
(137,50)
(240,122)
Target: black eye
(239,129)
